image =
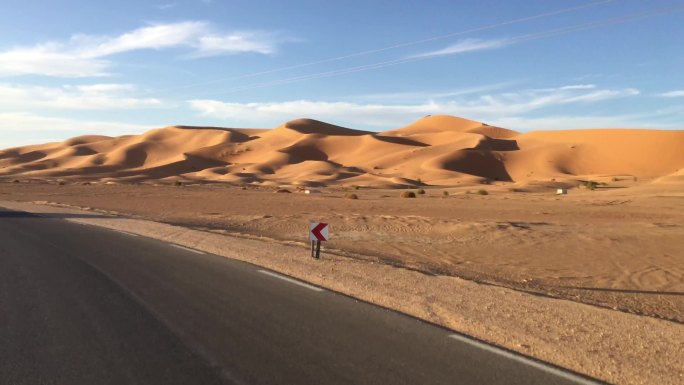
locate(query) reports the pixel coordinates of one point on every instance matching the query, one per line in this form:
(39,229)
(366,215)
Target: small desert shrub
(635,179)
(15,181)
(482,192)
(515,190)
(591,185)
(615,179)
(420,191)
(61,183)
(86,183)
(356,187)
(283,191)
(351,196)
(408,194)
(177,183)
(445,193)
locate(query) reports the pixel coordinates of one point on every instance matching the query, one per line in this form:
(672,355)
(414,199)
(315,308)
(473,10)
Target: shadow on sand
(628,291)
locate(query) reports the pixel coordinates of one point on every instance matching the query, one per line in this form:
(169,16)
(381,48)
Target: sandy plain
(618,248)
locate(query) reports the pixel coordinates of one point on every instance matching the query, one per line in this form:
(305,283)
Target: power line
(395,46)
(509,41)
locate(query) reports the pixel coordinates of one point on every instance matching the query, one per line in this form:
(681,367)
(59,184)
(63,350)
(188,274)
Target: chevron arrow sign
(319,231)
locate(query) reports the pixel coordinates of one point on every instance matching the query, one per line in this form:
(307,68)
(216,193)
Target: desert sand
(436,150)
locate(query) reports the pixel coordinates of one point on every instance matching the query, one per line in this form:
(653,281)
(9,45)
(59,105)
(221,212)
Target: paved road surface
(85,305)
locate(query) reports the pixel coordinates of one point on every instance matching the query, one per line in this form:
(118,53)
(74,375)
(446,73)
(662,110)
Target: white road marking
(288,279)
(186,248)
(125,232)
(527,361)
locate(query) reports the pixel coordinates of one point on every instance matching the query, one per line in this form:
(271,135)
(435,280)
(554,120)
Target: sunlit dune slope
(439,150)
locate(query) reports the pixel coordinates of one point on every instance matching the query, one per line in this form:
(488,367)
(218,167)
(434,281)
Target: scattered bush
(635,179)
(408,194)
(482,192)
(283,191)
(86,183)
(61,183)
(420,191)
(615,179)
(15,181)
(356,187)
(351,196)
(591,185)
(177,183)
(445,193)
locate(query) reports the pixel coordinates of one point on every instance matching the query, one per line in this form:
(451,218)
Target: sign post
(318,232)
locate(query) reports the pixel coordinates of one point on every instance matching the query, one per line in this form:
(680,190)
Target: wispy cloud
(466,45)
(20,128)
(68,97)
(488,107)
(166,6)
(673,94)
(84,55)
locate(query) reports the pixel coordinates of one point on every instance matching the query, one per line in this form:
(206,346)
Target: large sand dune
(435,150)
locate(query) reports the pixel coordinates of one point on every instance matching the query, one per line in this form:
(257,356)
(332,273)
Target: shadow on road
(22,214)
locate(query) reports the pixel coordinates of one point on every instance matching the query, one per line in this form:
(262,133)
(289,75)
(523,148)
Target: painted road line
(527,361)
(288,279)
(186,248)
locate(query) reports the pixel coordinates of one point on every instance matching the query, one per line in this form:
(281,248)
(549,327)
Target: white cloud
(68,97)
(21,121)
(49,60)
(566,122)
(83,55)
(152,37)
(673,94)
(211,45)
(19,129)
(166,6)
(467,45)
(486,107)
(579,87)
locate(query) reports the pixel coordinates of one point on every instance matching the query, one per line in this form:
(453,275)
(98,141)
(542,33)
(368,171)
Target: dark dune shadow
(478,163)
(312,126)
(492,144)
(628,291)
(400,140)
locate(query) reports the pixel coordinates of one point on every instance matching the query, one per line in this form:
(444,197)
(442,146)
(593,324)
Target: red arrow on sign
(316,231)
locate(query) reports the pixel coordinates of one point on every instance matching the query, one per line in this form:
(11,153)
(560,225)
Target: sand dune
(435,150)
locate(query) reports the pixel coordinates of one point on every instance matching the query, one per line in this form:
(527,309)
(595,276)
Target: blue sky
(73,67)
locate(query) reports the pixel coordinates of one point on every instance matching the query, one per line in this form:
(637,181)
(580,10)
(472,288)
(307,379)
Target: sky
(70,68)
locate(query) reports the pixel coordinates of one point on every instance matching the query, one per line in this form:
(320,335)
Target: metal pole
(318,249)
(312,250)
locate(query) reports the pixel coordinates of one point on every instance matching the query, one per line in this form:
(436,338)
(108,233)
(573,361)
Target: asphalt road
(86,305)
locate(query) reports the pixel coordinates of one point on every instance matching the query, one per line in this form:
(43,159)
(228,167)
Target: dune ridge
(436,150)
